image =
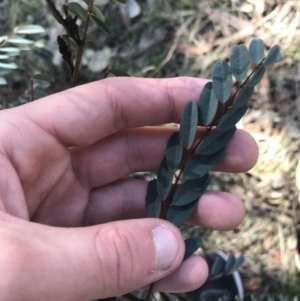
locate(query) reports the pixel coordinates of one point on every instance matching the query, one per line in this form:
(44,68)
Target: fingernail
(167,247)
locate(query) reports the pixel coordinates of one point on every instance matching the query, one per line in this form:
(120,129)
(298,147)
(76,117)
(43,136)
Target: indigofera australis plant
(180,182)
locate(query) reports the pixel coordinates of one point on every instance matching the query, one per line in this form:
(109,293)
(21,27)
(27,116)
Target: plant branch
(82,45)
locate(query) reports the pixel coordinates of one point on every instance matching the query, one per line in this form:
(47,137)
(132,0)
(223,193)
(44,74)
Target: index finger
(85,114)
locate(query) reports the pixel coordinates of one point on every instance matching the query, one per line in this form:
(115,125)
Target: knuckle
(116,252)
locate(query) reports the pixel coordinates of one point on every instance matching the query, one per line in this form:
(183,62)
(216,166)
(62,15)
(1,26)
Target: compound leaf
(188,124)
(229,264)
(239,61)
(257,76)
(243,97)
(217,266)
(77,10)
(118,72)
(153,202)
(191,246)
(164,180)
(272,56)
(208,104)
(199,165)
(101,24)
(177,215)
(174,152)
(30,29)
(231,118)
(256,50)
(215,141)
(44,77)
(190,190)
(222,81)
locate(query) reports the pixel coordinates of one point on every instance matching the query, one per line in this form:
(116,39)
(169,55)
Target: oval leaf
(164,180)
(8,65)
(222,81)
(199,165)
(208,104)
(243,97)
(97,12)
(239,62)
(101,24)
(77,10)
(118,72)
(30,29)
(39,93)
(153,202)
(174,152)
(177,215)
(231,118)
(20,40)
(190,190)
(238,263)
(257,76)
(215,141)
(191,246)
(188,124)
(229,264)
(256,50)
(10,49)
(44,77)
(272,56)
(3,81)
(217,266)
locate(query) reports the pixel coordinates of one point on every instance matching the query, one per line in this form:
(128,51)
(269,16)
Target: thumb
(93,262)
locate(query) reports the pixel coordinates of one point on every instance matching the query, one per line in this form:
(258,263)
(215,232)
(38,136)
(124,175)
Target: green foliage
(153,202)
(191,246)
(218,109)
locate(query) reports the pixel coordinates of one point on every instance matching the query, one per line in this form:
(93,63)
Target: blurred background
(157,38)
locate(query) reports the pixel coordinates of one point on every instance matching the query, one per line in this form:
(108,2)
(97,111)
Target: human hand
(71,227)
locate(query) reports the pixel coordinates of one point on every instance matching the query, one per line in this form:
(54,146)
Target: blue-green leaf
(243,97)
(231,118)
(10,65)
(153,202)
(256,50)
(229,264)
(239,62)
(208,104)
(164,180)
(222,81)
(119,73)
(174,152)
(177,215)
(191,246)
(190,190)
(19,40)
(77,10)
(44,77)
(217,266)
(38,93)
(257,76)
(97,12)
(199,165)
(3,81)
(101,24)
(188,124)
(30,29)
(238,263)
(215,141)
(272,56)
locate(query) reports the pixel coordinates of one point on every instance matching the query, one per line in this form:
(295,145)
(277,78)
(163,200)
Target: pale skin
(71,226)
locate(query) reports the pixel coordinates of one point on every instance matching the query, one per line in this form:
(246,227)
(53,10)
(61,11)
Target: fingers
(85,114)
(136,150)
(88,263)
(127,201)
